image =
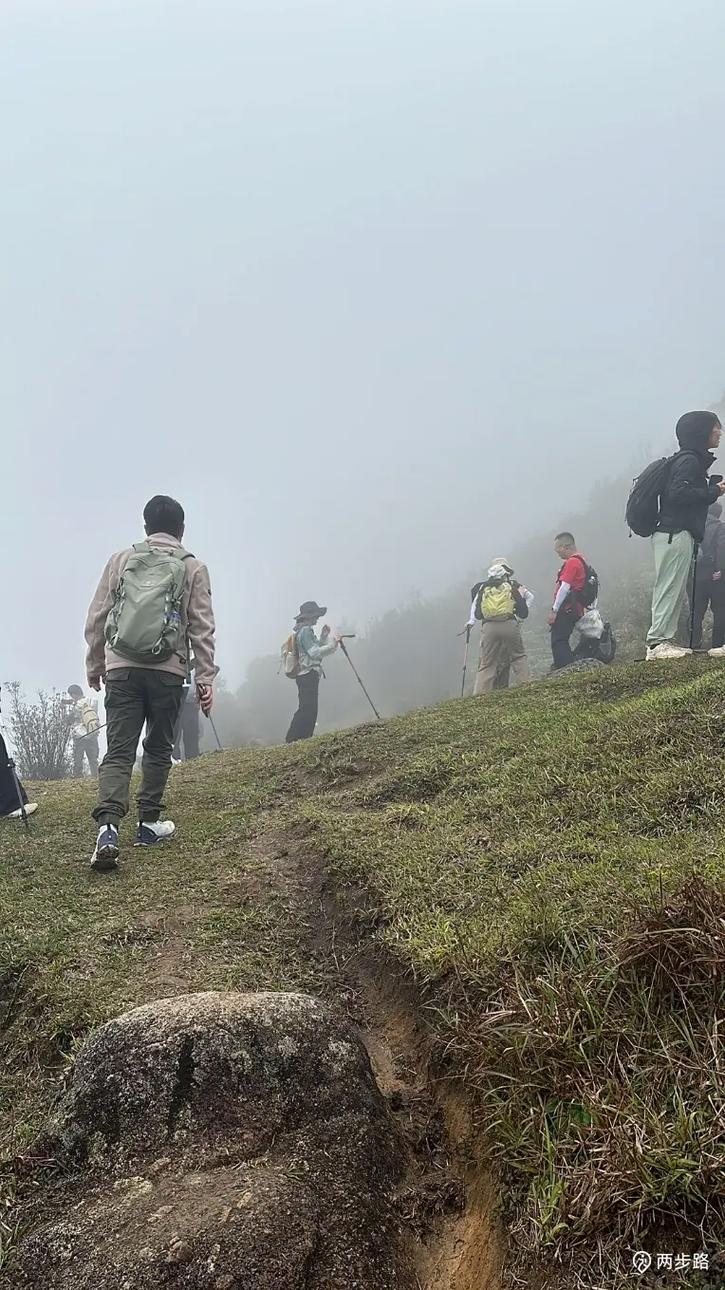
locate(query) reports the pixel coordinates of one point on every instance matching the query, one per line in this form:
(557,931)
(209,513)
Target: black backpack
(643,505)
(590,591)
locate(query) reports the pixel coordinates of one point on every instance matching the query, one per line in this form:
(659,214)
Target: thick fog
(373,289)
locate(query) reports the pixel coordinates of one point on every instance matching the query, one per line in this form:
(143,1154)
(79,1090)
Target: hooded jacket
(688,492)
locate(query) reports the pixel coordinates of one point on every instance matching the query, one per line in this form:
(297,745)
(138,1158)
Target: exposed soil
(447,1199)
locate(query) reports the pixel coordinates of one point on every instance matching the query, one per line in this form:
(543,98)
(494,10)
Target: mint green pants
(673,562)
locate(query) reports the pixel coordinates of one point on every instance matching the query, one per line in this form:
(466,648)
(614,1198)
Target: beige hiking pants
(502,652)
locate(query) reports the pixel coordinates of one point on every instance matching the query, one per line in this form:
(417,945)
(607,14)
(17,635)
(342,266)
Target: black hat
(311,609)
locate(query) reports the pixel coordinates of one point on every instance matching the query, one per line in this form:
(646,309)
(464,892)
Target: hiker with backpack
(669,503)
(577,589)
(84,732)
(302,657)
(500,604)
(152,605)
(708,591)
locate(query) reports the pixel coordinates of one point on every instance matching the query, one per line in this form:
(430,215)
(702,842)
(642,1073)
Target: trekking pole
(467,633)
(216,735)
(343,647)
(21,803)
(695,550)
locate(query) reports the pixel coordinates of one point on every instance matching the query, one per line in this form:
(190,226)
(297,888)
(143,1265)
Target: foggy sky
(370,287)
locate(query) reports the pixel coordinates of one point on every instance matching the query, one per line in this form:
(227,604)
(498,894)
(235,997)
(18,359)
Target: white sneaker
(150,834)
(30,809)
(718,652)
(667,649)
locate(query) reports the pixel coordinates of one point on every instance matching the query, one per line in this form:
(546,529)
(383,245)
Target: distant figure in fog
(709,586)
(302,657)
(186,733)
(576,591)
(85,731)
(500,604)
(686,497)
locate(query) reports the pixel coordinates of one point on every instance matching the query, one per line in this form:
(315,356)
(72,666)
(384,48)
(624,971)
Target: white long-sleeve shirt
(560,597)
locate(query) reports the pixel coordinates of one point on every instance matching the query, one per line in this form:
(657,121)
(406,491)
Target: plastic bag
(591,625)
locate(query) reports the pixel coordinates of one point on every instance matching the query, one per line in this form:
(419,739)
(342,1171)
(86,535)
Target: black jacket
(712,551)
(688,492)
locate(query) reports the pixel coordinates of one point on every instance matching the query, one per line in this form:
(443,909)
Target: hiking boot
(31,807)
(105,856)
(717,652)
(667,649)
(150,834)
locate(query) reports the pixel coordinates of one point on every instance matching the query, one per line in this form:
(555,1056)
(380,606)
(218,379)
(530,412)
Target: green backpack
(144,624)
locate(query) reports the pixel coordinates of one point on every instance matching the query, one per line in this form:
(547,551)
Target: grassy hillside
(547,865)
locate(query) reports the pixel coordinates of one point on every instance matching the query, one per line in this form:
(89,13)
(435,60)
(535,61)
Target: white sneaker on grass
(149,835)
(717,652)
(30,809)
(667,649)
(105,856)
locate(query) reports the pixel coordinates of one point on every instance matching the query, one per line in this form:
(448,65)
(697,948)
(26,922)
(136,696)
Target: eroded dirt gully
(447,1200)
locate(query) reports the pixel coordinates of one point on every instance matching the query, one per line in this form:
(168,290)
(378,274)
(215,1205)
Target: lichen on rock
(214,1141)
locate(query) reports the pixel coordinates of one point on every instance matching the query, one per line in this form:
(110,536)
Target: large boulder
(216,1141)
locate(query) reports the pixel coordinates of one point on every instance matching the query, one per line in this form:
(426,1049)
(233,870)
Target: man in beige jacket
(149,692)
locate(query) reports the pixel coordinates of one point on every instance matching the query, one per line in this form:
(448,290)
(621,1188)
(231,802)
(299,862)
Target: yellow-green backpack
(497,601)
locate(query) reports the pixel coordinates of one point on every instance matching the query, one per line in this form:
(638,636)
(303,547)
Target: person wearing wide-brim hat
(308,667)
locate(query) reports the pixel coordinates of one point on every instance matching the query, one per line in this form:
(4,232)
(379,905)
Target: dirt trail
(447,1199)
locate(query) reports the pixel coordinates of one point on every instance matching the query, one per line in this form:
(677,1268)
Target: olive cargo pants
(134,696)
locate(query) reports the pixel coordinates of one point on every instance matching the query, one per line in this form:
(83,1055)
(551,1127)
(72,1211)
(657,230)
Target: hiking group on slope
(500,603)
(150,633)
(676,503)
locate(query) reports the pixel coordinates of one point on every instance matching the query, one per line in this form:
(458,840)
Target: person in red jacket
(567,608)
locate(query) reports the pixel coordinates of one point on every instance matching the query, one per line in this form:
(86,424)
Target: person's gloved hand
(205,695)
(95,682)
